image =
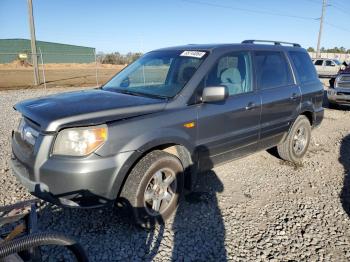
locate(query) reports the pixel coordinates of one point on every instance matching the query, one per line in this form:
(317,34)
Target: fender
(150,141)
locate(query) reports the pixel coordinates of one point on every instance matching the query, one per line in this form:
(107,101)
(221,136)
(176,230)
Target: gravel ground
(256,208)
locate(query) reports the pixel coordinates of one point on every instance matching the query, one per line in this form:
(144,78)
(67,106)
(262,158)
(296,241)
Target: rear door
(280,96)
(229,129)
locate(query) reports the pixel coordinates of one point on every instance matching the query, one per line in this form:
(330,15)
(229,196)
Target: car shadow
(199,231)
(344,159)
(195,233)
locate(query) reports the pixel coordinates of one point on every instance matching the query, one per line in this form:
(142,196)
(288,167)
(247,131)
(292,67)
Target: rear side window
(329,63)
(319,62)
(303,66)
(272,69)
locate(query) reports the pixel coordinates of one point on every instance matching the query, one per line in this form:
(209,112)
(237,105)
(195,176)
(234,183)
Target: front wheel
(153,188)
(297,142)
(332,105)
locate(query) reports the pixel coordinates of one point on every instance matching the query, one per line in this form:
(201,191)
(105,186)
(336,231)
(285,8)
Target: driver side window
(233,71)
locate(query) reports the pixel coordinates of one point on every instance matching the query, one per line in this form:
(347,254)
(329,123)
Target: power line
(266,12)
(337,27)
(248,10)
(339,9)
(314,1)
(340,5)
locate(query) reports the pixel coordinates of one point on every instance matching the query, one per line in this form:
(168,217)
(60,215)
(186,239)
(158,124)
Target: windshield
(158,73)
(336,62)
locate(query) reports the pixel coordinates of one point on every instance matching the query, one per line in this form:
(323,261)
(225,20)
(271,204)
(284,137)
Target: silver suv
(340,93)
(327,67)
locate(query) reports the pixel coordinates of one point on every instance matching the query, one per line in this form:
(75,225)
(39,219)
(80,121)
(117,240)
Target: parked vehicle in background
(344,68)
(339,91)
(327,67)
(146,134)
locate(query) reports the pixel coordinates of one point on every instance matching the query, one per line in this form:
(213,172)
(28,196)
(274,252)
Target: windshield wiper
(133,93)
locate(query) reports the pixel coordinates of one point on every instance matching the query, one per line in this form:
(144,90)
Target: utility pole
(324,5)
(33,42)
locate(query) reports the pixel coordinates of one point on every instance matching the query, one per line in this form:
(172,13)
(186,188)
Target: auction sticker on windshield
(196,54)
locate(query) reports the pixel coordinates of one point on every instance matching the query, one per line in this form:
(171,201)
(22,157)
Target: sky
(135,25)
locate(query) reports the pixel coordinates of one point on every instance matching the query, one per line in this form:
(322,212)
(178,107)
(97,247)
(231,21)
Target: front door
(319,66)
(229,129)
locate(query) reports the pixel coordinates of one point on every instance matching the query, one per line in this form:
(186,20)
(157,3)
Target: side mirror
(214,94)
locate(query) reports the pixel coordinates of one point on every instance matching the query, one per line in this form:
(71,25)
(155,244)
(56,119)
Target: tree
(311,49)
(119,59)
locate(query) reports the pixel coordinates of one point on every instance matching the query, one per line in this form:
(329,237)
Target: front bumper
(89,182)
(339,95)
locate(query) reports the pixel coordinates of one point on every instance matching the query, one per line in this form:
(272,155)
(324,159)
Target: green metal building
(11,49)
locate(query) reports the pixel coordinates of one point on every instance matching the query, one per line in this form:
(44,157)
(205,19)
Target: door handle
(250,106)
(294,96)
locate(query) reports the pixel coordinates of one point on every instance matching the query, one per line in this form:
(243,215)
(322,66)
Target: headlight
(80,141)
(336,81)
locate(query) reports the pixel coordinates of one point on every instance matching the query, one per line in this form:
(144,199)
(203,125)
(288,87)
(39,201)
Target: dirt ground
(14,76)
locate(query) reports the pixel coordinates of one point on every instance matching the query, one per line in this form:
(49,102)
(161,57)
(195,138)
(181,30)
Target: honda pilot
(147,134)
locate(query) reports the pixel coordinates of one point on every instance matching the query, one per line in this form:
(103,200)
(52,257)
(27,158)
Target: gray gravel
(257,208)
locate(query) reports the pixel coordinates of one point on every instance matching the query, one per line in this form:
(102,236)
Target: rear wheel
(153,188)
(297,142)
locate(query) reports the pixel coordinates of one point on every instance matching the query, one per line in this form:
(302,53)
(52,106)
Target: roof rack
(268,41)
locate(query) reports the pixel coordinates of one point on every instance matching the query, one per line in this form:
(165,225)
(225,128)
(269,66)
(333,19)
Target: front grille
(344,84)
(343,93)
(345,78)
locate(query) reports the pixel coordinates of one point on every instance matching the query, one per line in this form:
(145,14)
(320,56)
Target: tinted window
(303,65)
(319,62)
(234,71)
(272,69)
(158,73)
(329,63)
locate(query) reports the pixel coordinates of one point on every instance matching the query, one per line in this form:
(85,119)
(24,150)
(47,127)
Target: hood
(346,70)
(91,107)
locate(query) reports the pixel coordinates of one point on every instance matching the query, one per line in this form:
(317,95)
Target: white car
(327,67)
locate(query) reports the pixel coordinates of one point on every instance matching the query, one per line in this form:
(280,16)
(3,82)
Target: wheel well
(309,116)
(185,157)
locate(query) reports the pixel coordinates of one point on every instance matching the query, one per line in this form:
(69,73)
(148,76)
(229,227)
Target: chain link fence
(55,69)
(71,69)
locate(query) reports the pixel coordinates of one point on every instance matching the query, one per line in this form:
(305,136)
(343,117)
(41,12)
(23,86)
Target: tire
(332,105)
(297,142)
(145,189)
